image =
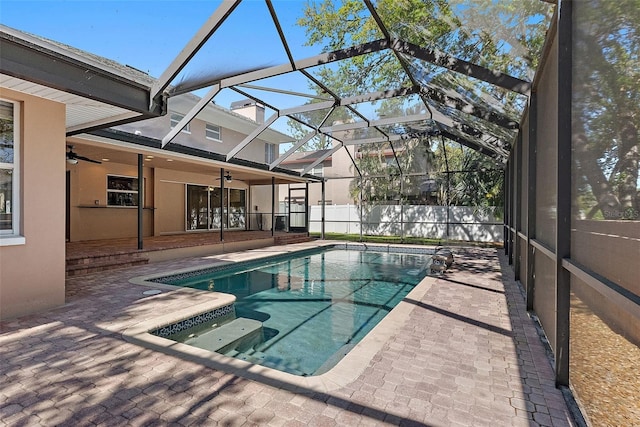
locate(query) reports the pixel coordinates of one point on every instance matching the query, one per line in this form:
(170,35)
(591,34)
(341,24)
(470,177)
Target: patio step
(286,239)
(77,266)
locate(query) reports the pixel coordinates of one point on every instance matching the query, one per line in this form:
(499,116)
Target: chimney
(250,109)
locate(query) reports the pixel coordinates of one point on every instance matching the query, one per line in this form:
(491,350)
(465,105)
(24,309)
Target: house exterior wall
(260,197)
(32,275)
(159,127)
(165,201)
(169,210)
(336,190)
(91,218)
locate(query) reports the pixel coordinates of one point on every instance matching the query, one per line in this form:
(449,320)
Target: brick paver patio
(468,355)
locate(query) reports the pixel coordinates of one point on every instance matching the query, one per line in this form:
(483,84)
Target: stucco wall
(261,197)
(90,217)
(32,275)
(170,199)
(159,127)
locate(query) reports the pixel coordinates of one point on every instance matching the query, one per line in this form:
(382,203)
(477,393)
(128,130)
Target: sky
(149,34)
(144,34)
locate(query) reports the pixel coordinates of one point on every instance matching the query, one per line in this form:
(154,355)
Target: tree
(498,35)
(468,178)
(606,109)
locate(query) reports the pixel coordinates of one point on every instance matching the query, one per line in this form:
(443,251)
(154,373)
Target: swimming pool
(304,311)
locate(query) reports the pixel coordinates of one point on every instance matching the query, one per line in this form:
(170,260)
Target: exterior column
(361,211)
(531,197)
(306,207)
(221,204)
(140,200)
(563,193)
(322,211)
(505,198)
(401,211)
(517,207)
(273,205)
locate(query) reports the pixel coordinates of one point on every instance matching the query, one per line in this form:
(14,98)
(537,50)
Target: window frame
(206,132)
(186,129)
(12,236)
(270,152)
(116,191)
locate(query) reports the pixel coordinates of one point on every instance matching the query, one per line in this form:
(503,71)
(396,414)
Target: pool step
(81,265)
(222,339)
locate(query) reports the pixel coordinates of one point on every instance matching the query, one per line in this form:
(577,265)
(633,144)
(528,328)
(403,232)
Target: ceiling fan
(73,157)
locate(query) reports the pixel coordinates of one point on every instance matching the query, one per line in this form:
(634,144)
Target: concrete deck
(465,353)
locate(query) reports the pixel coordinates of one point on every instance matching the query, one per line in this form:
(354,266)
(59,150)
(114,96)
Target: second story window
(175,119)
(270,153)
(213,132)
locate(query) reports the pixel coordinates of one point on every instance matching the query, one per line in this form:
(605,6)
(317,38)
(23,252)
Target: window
(122,191)
(9,172)
(270,152)
(175,119)
(213,132)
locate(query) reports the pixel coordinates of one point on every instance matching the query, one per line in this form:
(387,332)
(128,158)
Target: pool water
(314,308)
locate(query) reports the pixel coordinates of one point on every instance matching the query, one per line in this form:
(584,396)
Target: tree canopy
(606,109)
(501,36)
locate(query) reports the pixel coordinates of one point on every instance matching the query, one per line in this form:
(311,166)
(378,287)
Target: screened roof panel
(471,90)
(410,129)
(490,148)
(388,76)
(313,119)
(342,117)
(471,125)
(275,90)
(397,107)
(221,57)
(377,70)
(360,135)
(499,35)
(347,17)
(342,79)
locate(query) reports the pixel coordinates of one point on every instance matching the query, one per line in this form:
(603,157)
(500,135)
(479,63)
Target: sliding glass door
(197,207)
(237,209)
(206,210)
(217,214)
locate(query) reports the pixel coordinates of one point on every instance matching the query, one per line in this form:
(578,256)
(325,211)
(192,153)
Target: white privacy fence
(436,222)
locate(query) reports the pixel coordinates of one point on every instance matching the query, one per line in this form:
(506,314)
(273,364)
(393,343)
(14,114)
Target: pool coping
(250,255)
(347,370)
